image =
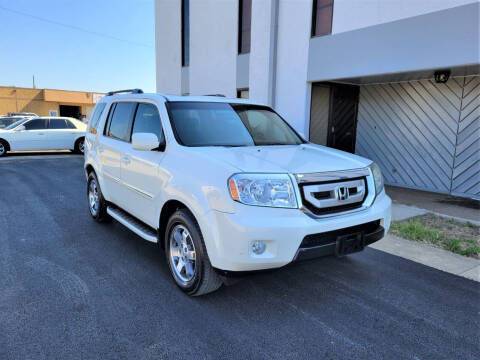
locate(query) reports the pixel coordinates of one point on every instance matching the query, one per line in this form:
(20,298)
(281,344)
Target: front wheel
(187,256)
(3,148)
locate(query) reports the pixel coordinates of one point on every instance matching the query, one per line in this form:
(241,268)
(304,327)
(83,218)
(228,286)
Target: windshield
(15,124)
(223,124)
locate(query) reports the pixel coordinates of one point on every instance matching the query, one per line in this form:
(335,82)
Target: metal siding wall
(410,130)
(466,172)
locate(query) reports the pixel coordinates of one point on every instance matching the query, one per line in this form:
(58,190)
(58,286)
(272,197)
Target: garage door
(424,135)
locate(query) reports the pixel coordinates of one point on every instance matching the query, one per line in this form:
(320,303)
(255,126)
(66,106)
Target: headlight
(377,178)
(274,190)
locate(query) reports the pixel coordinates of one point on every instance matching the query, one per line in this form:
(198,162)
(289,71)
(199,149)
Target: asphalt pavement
(74,289)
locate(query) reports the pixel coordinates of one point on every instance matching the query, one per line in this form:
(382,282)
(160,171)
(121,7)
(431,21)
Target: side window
(97,113)
(57,124)
(36,124)
(147,120)
(119,127)
(70,124)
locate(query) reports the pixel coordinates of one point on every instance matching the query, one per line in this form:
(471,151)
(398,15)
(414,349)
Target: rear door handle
(126,160)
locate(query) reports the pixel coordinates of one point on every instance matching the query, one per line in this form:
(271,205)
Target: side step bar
(139,228)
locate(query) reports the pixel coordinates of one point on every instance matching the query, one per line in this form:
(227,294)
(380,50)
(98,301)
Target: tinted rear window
(57,124)
(96,117)
(119,127)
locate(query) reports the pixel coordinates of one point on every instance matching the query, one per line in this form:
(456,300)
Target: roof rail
(131,91)
(219,95)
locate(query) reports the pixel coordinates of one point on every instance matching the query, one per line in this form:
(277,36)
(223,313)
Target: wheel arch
(168,209)
(6,144)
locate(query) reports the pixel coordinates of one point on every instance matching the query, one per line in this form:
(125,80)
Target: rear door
(112,146)
(59,135)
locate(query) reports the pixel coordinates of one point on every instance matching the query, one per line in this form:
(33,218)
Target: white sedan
(43,133)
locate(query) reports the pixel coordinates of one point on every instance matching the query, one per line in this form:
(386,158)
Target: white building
(357,75)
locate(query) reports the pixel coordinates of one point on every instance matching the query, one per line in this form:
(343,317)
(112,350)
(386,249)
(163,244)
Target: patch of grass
(460,238)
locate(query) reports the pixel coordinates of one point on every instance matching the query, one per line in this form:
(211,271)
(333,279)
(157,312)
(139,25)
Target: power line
(74,27)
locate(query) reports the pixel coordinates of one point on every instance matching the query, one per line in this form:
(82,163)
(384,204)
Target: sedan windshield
(15,124)
(223,124)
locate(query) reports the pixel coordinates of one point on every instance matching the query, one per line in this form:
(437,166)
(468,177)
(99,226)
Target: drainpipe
(272,76)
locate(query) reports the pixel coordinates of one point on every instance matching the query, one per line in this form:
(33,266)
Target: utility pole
(33,76)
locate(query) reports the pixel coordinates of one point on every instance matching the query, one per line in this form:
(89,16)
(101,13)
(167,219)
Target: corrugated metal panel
(410,130)
(466,171)
(319,114)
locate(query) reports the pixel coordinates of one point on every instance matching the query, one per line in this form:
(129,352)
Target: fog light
(258,247)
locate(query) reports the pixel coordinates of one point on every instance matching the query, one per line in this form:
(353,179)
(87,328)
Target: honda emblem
(342,193)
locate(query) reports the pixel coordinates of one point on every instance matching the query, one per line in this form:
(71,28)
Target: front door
(34,137)
(343,117)
(142,174)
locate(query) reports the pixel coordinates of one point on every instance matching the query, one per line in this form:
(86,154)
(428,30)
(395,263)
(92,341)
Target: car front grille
(327,193)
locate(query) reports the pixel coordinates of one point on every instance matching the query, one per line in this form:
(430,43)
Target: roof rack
(131,91)
(219,95)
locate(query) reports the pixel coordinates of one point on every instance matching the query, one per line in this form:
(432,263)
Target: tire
(3,148)
(80,146)
(97,205)
(184,242)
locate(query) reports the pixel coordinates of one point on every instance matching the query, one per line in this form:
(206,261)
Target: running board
(132,223)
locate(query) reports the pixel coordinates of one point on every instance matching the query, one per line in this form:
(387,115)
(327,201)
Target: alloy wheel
(182,254)
(2,149)
(81,146)
(93,200)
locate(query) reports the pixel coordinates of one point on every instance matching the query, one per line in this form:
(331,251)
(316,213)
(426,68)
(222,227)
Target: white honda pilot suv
(226,186)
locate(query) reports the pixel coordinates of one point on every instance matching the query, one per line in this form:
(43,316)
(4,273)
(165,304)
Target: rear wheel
(80,146)
(3,148)
(96,203)
(187,256)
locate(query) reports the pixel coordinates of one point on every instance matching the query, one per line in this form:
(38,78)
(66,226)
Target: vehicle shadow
(39,153)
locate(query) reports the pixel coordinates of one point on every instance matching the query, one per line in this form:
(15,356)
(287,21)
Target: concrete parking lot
(74,289)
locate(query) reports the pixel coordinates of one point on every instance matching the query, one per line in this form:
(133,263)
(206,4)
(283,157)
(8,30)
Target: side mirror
(144,141)
(20,128)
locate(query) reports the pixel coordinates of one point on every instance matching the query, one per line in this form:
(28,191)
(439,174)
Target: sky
(105,45)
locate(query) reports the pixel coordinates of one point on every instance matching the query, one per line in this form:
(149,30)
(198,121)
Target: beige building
(47,102)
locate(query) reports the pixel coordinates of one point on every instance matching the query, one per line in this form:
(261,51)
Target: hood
(295,159)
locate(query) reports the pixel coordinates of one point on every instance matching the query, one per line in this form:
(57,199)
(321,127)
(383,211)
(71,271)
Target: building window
(185,32)
(322,17)
(243,93)
(244,26)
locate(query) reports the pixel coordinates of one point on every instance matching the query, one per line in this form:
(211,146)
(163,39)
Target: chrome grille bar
(335,194)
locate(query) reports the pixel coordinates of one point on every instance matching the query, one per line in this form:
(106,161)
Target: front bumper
(228,237)
(324,244)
